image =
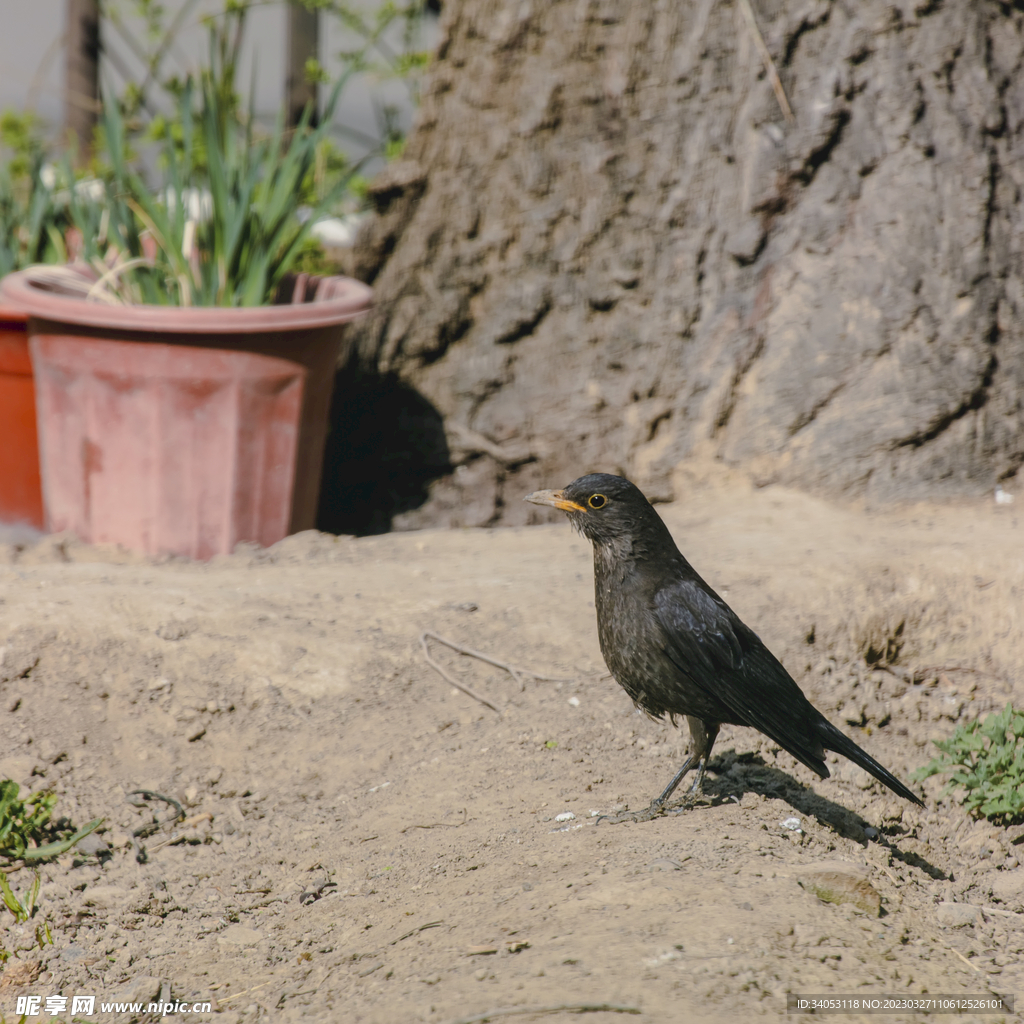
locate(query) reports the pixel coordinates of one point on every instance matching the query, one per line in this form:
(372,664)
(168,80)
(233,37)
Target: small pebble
(665,864)
(574,701)
(791,825)
(92,845)
(957,915)
(106,897)
(565,816)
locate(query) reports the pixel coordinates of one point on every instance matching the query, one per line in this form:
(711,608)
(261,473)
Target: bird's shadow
(755,776)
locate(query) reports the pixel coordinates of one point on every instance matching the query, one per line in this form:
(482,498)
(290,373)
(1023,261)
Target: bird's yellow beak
(556,499)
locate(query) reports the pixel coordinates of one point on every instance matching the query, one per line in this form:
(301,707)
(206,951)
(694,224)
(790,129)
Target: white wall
(32,61)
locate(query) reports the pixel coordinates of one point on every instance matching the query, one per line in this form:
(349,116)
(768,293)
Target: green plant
(312,259)
(32,223)
(387,44)
(225,228)
(19,134)
(238,254)
(376,27)
(21,911)
(986,759)
(23,823)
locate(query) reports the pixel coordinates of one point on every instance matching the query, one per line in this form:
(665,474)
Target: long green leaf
(56,849)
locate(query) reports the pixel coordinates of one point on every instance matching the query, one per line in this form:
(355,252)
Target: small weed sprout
(986,759)
(22,911)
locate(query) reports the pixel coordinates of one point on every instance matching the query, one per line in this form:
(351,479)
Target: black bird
(678,649)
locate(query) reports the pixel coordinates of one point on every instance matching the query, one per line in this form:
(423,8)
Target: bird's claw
(656,810)
(689,802)
(659,806)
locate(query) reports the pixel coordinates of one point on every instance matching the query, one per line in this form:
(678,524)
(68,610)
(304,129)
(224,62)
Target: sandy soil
(285,693)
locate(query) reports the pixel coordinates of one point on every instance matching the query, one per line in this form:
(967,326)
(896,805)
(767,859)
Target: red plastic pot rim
(9,315)
(350,298)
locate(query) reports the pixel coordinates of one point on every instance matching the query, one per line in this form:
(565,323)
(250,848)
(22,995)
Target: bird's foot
(696,797)
(656,810)
(689,802)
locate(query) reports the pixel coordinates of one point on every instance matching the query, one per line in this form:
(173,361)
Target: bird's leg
(697,789)
(703,735)
(693,759)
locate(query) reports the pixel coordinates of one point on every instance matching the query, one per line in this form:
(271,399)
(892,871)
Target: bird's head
(602,507)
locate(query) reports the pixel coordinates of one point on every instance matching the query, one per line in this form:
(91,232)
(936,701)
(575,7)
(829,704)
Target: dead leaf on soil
(841,882)
(19,972)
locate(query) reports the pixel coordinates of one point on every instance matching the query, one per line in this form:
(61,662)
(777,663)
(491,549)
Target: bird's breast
(630,639)
(634,646)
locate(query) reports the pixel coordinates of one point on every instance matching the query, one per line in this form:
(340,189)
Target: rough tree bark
(303,44)
(82,76)
(607,248)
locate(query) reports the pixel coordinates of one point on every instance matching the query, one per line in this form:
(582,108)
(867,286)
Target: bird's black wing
(709,644)
(698,627)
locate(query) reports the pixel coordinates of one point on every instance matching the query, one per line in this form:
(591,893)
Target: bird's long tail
(832,739)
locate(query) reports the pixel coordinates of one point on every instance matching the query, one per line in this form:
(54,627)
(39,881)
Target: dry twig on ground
(518,674)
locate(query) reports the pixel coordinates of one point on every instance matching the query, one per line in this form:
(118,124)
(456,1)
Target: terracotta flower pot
(21,495)
(184,430)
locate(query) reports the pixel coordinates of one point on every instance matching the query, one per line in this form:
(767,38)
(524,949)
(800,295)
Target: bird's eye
(597,501)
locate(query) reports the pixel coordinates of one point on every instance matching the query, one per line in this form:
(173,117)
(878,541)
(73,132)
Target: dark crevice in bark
(948,68)
(928,7)
(920,105)
(448,333)
(822,153)
(972,403)
(1015,461)
(743,367)
(807,24)
(525,327)
(991,200)
(811,414)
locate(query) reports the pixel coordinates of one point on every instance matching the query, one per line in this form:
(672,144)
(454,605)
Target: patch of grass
(26,831)
(985,759)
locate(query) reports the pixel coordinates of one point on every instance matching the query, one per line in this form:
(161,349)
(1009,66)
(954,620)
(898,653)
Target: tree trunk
(303,44)
(608,248)
(82,77)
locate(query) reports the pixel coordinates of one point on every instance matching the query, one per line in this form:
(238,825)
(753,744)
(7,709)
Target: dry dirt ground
(284,692)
